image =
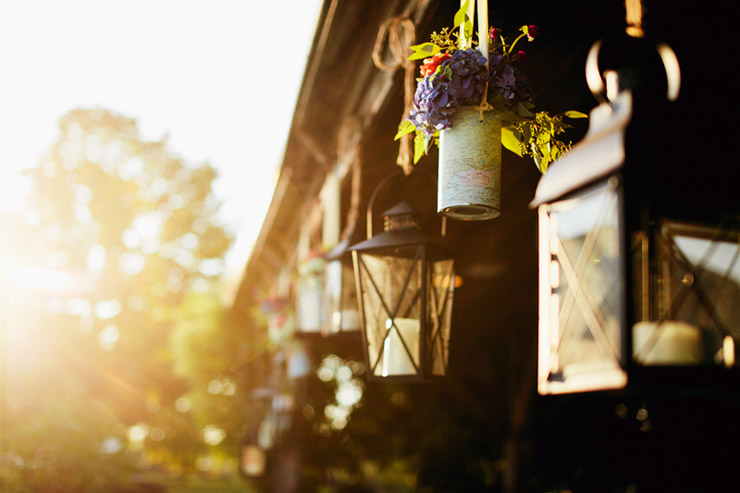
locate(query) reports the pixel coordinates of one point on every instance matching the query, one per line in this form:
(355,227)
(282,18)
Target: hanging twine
(348,147)
(401,32)
(483,43)
(354,202)
(633,10)
(484,104)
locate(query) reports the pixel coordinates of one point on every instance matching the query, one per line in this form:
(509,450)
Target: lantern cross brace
(392,315)
(573,276)
(575,294)
(436,311)
(695,286)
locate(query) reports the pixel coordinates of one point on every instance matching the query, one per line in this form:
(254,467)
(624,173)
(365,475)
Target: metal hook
(395,174)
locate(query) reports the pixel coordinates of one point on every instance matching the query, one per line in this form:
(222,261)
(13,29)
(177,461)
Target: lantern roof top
(338,251)
(402,207)
(403,238)
(600,153)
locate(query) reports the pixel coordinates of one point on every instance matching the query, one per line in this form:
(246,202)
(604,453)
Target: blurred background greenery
(119,357)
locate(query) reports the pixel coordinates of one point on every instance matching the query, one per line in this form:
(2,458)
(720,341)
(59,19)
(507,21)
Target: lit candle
(396,360)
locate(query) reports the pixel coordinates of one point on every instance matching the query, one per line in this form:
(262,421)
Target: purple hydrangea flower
(506,82)
(460,81)
(467,80)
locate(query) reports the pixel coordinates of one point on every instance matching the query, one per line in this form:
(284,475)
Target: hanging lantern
(309,294)
(405,283)
(253,458)
(639,277)
(340,298)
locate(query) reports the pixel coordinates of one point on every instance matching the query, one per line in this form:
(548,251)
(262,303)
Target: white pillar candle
(675,343)
(396,360)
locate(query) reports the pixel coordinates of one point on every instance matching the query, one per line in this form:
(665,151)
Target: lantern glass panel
(694,316)
(341,299)
(440,312)
(392,319)
(586,287)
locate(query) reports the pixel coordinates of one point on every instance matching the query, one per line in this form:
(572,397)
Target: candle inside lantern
(396,360)
(675,343)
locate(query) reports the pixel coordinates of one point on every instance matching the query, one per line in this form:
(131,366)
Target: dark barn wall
(485,428)
(489,410)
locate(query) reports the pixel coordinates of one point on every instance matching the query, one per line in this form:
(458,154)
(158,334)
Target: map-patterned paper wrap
(470,166)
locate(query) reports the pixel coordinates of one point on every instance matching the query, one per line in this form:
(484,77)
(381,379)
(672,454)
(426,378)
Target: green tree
(135,234)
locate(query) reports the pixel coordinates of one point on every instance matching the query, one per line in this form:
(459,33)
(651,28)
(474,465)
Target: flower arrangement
(454,74)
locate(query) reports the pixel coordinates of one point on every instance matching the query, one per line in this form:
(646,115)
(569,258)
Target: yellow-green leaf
(523,110)
(575,114)
(507,116)
(510,140)
(461,15)
(468,31)
(406,127)
(419,146)
(544,164)
(424,50)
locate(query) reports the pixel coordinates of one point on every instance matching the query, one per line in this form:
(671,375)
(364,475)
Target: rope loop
(401,32)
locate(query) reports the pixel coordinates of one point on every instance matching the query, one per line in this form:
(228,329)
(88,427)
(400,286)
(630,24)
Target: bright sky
(219,77)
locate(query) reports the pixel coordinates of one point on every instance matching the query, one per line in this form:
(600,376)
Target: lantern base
(469,212)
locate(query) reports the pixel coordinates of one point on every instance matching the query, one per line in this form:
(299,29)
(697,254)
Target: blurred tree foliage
(135,334)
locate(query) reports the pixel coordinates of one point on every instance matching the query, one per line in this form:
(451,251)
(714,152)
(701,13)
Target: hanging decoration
(467,82)
(401,32)
(405,282)
(340,299)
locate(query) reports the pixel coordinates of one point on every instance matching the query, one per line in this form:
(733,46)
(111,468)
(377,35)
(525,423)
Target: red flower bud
(495,33)
(532,32)
(429,66)
(521,57)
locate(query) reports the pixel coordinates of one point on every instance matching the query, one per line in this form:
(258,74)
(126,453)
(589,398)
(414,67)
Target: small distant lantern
(277,423)
(405,284)
(253,461)
(276,312)
(639,279)
(340,296)
(309,294)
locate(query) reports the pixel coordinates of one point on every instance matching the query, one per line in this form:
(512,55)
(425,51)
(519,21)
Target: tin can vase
(469,185)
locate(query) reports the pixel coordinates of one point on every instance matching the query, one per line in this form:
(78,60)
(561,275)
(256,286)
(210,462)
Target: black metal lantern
(639,272)
(405,283)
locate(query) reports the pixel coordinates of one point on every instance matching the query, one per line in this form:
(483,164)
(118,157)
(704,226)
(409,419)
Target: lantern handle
(371,202)
(599,88)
